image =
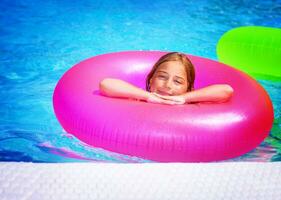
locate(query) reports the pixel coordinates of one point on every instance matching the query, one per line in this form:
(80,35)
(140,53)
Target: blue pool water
(41,40)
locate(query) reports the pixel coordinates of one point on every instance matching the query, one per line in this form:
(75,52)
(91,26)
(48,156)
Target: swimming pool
(41,40)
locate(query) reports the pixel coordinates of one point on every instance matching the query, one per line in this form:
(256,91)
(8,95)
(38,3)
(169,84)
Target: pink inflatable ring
(166,133)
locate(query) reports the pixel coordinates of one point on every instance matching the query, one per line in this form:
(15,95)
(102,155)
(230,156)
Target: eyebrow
(167,73)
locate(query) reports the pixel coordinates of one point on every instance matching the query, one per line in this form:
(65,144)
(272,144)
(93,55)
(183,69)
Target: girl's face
(169,79)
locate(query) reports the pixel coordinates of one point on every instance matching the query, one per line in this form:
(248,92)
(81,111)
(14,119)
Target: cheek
(180,89)
(155,84)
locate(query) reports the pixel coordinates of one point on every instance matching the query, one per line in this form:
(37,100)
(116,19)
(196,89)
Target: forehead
(173,68)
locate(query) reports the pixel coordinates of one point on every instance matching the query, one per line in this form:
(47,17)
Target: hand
(155,98)
(179,98)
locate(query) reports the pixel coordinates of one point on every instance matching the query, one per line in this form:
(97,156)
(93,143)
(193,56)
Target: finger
(173,98)
(177,101)
(162,96)
(181,101)
(169,102)
(159,95)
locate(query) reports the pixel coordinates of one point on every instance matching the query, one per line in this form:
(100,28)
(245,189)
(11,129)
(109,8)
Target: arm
(118,88)
(212,93)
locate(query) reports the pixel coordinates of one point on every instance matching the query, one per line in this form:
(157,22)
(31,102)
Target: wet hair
(174,56)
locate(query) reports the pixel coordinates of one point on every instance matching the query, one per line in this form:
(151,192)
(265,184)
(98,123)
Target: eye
(161,76)
(178,82)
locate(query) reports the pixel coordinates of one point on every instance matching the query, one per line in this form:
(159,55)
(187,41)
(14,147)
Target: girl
(170,81)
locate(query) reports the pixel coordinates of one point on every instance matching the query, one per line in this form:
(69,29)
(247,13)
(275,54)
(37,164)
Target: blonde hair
(174,56)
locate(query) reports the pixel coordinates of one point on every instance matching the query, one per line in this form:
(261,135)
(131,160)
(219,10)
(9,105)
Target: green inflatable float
(255,50)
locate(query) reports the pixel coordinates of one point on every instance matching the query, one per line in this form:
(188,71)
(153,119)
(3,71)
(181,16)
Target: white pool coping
(188,181)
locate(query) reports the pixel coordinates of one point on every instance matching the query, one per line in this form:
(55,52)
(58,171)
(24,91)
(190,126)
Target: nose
(168,84)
